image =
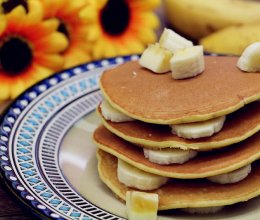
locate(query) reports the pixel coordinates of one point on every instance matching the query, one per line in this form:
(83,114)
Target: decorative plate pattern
(31,132)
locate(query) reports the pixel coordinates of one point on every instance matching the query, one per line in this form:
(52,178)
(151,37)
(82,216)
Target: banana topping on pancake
(249,61)
(112,114)
(187,62)
(169,155)
(141,205)
(156,58)
(139,179)
(232,177)
(172,41)
(199,129)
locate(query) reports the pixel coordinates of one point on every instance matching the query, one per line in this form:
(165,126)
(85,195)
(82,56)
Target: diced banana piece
(112,114)
(187,62)
(206,210)
(169,156)
(172,41)
(232,177)
(199,129)
(156,59)
(139,179)
(141,205)
(249,61)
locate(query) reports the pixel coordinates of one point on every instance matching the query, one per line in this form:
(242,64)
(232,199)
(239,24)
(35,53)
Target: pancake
(204,165)
(157,98)
(183,193)
(238,126)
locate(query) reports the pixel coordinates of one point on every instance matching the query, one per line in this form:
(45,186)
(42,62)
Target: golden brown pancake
(157,98)
(183,193)
(238,126)
(204,165)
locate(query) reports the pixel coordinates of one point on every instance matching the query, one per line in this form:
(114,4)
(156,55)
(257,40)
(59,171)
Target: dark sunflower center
(115,17)
(63,29)
(9,5)
(15,56)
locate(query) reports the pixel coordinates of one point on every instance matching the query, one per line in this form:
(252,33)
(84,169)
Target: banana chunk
(232,177)
(187,62)
(112,114)
(199,129)
(141,205)
(156,59)
(249,61)
(206,210)
(173,41)
(169,156)
(139,179)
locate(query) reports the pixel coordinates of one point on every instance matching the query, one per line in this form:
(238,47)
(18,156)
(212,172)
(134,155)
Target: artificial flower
(73,26)
(29,48)
(120,27)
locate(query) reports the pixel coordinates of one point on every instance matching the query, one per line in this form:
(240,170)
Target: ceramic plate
(48,159)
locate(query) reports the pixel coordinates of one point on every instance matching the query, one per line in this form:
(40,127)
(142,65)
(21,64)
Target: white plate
(48,159)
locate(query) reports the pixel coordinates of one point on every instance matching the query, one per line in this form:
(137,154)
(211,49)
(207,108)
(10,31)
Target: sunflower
(120,27)
(29,48)
(73,26)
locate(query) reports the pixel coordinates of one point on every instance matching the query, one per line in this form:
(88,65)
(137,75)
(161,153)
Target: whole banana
(199,18)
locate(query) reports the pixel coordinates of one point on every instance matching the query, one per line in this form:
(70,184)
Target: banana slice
(156,59)
(187,62)
(136,178)
(172,41)
(206,210)
(112,114)
(199,129)
(232,177)
(249,61)
(141,205)
(169,156)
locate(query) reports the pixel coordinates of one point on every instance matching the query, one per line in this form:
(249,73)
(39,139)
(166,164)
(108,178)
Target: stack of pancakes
(157,101)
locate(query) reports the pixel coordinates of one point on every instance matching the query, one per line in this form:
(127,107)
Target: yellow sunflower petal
(122,50)
(94,32)
(74,6)
(110,50)
(147,36)
(145,4)
(98,50)
(149,20)
(135,46)
(17,13)
(51,7)
(101,4)
(17,88)
(53,43)
(89,14)
(3,24)
(5,91)
(41,72)
(51,61)
(35,13)
(75,56)
(51,24)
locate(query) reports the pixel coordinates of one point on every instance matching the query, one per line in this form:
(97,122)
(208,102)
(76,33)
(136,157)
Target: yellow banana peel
(200,18)
(231,40)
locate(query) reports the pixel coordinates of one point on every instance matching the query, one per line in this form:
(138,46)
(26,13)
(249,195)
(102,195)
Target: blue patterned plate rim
(17,112)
